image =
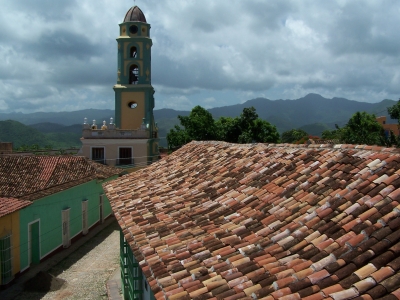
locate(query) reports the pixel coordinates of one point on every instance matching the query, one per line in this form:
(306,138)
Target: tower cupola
(135,14)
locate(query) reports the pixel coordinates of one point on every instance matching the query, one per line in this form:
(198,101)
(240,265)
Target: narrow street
(83,274)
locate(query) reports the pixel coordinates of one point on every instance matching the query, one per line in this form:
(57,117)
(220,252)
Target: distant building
(6,148)
(388,127)
(130,139)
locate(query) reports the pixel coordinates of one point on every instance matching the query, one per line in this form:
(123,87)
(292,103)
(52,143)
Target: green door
(34,238)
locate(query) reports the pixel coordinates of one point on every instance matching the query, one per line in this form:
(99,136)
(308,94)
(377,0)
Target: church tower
(134,101)
(130,140)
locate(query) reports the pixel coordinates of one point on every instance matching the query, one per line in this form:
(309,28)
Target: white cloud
(62,55)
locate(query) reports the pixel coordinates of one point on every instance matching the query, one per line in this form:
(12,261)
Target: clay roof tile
(298,216)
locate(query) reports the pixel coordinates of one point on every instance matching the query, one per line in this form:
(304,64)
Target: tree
(177,137)
(227,129)
(247,128)
(335,134)
(293,135)
(394,111)
(199,124)
(363,128)
(247,118)
(264,132)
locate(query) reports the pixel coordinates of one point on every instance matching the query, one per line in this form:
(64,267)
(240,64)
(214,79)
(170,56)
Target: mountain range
(312,113)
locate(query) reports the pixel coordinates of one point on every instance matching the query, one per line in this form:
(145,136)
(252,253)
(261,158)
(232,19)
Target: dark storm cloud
(57,55)
(48,9)
(60,44)
(366,29)
(267,15)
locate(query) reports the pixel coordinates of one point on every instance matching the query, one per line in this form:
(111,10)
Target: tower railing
(115,134)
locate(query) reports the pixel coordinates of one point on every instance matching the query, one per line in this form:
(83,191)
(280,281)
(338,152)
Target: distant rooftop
(33,177)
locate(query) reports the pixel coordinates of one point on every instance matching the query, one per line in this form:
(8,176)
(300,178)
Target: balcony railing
(124,161)
(115,134)
(100,160)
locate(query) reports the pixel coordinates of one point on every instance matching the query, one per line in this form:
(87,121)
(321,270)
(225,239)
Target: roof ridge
(372,148)
(45,176)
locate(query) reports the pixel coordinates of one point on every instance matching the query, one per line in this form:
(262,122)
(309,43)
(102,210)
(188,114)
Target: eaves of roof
(11,205)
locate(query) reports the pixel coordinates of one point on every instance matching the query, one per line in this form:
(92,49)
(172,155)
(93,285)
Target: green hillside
(22,135)
(63,118)
(312,113)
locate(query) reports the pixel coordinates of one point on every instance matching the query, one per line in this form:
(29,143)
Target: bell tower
(131,138)
(134,100)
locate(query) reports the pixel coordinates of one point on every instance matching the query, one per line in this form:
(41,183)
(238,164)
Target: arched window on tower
(133,52)
(134,74)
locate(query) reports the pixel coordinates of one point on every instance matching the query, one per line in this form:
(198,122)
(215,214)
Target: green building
(66,199)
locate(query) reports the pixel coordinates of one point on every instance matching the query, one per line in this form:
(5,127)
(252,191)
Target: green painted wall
(48,211)
(134,285)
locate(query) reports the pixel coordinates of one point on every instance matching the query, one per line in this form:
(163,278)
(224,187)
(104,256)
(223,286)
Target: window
(125,156)
(65,228)
(132,105)
(101,212)
(134,74)
(98,155)
(5,259)
(85,228)
(133,52)
(133,29)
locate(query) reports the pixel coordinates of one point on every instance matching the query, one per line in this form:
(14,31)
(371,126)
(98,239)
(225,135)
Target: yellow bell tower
(134,101)
(134,132)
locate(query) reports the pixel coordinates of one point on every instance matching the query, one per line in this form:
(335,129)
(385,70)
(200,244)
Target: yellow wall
(10,224)
(132,118)
(390,127)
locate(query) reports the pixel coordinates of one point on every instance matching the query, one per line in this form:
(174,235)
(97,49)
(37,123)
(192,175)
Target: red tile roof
(33,177)
(10,205)
(217,220)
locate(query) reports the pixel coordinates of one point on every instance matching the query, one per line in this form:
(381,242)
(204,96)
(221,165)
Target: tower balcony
(113,133)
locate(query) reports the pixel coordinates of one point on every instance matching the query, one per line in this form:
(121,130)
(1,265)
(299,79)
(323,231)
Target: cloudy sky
(62,55)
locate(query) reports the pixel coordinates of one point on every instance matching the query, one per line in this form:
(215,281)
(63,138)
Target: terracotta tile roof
(104,171)
(33,177)
(10,205)
(217,220)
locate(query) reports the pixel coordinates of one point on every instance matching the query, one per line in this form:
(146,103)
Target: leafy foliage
(177,137)
(335,134)
(394,111)
(293,135)
(201,126)
(228,129)
(26,138)
(363,128)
